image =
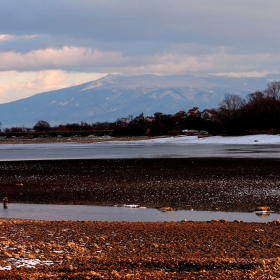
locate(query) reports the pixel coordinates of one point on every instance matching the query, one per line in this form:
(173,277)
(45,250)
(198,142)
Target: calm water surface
(144,150)
(106,213)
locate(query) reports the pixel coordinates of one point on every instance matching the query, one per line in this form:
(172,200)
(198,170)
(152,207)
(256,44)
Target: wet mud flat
(122,250)
(201,184)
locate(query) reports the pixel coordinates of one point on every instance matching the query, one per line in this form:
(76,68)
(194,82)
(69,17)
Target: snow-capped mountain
(116,96)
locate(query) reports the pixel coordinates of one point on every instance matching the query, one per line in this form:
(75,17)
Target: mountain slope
(116,96)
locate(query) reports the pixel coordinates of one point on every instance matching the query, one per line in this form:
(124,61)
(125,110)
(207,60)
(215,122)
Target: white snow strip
(24,262)
(8,267)
(248,139)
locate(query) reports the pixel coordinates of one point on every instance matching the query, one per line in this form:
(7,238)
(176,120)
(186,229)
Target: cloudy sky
(45,45)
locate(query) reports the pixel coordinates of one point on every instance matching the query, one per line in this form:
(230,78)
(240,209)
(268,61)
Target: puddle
(106,213)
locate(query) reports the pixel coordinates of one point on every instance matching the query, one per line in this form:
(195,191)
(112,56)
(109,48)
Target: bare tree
(257,96)
(273,90)
(231,102)
(42,126)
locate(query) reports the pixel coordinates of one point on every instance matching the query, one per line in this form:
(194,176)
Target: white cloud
(242,74)
(31,36)
(78,59)
(17,85)
(9,37)
(50,58)
(6,37)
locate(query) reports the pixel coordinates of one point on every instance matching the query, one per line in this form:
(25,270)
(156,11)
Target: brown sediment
(121,250)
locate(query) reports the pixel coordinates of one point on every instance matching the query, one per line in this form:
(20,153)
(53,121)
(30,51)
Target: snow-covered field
(249,139)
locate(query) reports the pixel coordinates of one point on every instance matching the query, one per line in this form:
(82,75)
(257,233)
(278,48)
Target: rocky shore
(123,250)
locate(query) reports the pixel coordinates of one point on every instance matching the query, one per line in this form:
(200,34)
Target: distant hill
(116,96)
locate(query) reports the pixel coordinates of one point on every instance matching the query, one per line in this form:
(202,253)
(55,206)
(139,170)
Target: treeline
(158,125)
(167,125)
(258,113)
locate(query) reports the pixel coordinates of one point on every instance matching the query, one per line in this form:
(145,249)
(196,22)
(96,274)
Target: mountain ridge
(116,96)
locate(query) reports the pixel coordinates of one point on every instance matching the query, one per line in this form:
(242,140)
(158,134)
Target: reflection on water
(106,213)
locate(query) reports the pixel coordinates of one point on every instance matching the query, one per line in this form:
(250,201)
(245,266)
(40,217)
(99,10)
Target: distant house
(181,114)
(150,119)
(193,112)
(190,132)
(139,119)
(125,120)
(207,115)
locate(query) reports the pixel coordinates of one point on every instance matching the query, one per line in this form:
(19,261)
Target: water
(106,213)
(144,150)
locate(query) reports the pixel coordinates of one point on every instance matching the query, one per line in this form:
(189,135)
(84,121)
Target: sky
(47,45)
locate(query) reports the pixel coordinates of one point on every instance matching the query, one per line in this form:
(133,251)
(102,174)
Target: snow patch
(24,262)
(167,93)
(248,139)
(66,102)
(93,85)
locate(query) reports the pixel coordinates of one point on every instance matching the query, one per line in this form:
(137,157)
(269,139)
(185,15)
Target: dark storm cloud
(207,36)
(158,21)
